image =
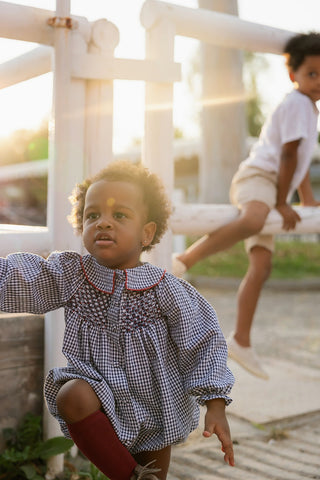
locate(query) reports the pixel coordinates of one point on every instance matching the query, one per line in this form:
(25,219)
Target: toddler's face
(307,77)
(114,224)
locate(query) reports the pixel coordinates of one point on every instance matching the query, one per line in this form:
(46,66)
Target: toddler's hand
(217,423)
(290,216)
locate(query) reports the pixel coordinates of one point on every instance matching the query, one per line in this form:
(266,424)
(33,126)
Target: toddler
(144,349)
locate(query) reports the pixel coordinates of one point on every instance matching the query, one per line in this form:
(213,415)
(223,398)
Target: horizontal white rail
(37,168)
(181,148)
(197,219)
(100,67)
(29,24)
(186,219)
(88,66)
(26,66)
(216,28)
(22,238)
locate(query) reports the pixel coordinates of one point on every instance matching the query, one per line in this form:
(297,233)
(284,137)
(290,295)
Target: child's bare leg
(161,457)
(250,221)
(239,347)
(76,400)
(260,263)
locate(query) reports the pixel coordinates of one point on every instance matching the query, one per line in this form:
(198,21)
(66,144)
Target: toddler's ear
(149,230)
(292,76)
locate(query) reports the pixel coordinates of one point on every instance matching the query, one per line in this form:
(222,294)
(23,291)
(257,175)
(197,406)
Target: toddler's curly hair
(299,47)
(153,192)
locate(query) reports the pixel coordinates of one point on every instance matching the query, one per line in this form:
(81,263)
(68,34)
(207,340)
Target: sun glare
(25,105)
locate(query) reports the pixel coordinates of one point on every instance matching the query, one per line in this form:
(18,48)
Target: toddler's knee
(251,225)
(76,400)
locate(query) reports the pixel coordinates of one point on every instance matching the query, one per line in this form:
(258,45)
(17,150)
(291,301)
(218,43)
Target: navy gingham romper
(147,342)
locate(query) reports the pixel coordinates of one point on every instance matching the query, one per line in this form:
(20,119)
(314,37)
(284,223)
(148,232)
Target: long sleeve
(195,330)
(29,283)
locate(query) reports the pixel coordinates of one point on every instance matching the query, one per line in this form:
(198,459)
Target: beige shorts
(254,184)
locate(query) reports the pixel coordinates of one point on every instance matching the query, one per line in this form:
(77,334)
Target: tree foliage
(24,146)
(254,64)
(26,453)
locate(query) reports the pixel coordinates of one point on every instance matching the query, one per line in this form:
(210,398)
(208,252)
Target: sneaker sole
(256,373)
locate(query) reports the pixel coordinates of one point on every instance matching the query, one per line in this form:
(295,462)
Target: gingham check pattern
(148,343)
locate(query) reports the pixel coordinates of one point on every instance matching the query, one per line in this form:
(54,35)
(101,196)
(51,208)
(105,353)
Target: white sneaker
(178,267)
(246,357)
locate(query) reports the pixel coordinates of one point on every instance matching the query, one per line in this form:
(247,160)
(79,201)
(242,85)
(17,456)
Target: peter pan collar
(103,278)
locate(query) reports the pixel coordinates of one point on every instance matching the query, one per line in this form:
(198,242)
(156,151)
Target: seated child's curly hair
(154,195)
(299,47)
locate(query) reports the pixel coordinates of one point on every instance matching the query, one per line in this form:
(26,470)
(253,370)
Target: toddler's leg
(249,292)
(92,431)
(160,459)
(248,223)
(248,296)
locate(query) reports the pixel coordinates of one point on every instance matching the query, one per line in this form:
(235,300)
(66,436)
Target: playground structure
(81,57)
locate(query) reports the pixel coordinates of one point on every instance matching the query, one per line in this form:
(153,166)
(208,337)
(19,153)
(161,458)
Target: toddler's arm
(29,283)
(288,164)
(306,194)
(217,423)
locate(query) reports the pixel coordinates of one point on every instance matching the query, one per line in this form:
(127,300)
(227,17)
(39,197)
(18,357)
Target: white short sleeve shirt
(295,118)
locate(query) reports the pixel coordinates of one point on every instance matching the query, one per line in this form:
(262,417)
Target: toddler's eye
(92,216)
(312,74)
(119,215)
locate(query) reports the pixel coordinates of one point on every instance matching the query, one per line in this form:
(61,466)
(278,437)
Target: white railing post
(66,165)
(99,102)
(158,139)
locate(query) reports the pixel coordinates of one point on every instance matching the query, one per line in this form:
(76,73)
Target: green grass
(292,260)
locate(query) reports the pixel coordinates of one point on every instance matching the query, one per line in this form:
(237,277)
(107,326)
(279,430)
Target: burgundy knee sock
(97,440)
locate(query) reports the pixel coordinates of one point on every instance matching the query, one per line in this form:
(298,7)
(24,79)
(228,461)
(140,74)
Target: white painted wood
(189,219)
(66,138)
(66,168)
(87,66)
(93,66)
(99,98)
(158,140)
(22,170)
(222,103)
(22,238)
(26,66)
(29,24)
(215,28)
(199,219)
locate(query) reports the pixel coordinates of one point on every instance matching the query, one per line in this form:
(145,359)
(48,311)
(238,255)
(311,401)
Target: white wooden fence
(80,54)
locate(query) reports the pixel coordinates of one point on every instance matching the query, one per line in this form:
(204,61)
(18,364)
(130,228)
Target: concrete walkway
(275,424)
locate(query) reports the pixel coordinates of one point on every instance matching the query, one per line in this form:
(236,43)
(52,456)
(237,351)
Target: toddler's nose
(103,223)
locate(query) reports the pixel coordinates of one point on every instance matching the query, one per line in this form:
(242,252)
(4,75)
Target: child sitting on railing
(277,165)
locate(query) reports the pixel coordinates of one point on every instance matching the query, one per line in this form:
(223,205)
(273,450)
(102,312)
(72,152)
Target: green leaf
(14,456)
(29,471)
(53,446)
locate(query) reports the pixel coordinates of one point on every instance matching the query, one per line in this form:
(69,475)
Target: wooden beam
(30,24)
(102,67)
(199,219)
(26,66)
(215,28)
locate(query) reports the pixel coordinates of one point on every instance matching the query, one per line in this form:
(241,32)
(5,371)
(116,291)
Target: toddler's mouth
(103,237)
